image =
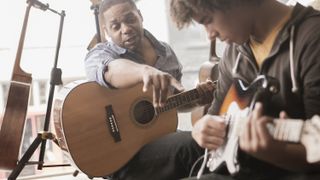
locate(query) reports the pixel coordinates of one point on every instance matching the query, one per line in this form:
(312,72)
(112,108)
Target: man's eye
(115,26)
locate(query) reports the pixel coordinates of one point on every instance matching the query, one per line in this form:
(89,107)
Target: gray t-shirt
(97,60)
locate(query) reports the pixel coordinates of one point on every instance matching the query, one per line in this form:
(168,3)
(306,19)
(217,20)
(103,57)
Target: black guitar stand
(55,79)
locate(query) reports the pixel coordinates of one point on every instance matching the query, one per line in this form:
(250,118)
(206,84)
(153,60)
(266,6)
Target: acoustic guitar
(102,129)
(236,108)
(208,71)
(16,108)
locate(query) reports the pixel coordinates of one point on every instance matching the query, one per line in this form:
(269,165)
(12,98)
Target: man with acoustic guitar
(133,55)
(265,37)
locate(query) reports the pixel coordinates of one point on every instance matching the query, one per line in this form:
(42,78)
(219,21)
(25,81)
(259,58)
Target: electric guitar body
(236,107)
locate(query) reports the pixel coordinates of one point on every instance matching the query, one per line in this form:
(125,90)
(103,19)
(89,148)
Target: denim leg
(167,158)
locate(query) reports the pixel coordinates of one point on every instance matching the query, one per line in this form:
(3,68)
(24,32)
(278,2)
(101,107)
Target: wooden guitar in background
(208,71)
(236,109)
(102,129)
(98,37)
(13,122)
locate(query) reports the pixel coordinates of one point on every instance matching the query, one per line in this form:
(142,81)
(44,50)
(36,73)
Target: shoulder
(110,47)
(307,36)
(308,27)
(166,46)
(105,49)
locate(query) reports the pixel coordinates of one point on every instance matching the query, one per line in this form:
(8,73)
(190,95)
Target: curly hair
(182,11)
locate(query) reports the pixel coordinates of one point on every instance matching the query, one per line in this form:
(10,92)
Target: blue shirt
(97,60)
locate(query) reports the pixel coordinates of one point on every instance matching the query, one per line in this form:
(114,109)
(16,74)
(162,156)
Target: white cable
(203,165)
(293,79)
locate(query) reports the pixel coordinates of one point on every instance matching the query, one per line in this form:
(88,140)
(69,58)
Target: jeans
(168,158)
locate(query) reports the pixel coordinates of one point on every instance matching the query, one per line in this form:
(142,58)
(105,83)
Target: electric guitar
(102,129)
(235,111)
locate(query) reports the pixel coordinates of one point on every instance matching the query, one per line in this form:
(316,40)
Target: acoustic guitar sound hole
(143,112)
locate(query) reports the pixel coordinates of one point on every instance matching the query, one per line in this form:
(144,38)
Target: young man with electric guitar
(265,39)
(132,56)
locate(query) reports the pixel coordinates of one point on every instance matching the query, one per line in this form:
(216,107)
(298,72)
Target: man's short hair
(106,4)
(182,10)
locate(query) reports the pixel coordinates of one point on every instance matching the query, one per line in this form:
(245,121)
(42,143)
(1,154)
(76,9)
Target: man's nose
(212,35)
(125,28)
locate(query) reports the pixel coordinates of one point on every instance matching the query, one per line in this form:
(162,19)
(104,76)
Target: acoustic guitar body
(102,129)
(12,125)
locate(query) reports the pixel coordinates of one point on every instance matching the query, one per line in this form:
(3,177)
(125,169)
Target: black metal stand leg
(25,158)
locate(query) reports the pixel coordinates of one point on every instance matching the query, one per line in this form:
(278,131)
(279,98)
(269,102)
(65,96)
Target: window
(42,92)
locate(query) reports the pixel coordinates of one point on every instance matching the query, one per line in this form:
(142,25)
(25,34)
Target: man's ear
(104,33)
(139,12)
(103,28)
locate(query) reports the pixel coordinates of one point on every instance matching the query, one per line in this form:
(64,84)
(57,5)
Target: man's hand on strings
(160,82)
(255,138)
(205,90)
(209,132)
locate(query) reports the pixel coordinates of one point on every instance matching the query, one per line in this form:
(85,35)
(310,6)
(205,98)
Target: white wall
(155,18)
(41,37)
(42,33)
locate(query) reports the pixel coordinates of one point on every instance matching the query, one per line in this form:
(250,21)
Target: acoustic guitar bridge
(112,124)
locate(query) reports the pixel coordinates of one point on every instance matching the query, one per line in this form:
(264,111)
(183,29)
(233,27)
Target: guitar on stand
(208,71)
(20,86)
(15,113)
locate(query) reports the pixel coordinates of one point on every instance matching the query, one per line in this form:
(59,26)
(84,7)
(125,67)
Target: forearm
(124,73)
(291,157)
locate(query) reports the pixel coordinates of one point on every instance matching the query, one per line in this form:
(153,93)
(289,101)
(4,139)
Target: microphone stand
(42,137)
